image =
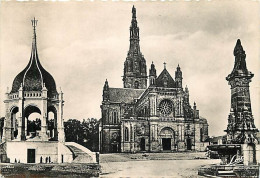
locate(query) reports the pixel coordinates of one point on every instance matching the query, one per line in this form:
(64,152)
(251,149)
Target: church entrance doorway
(31,156)
(166,143)
(188,144)
(167,137)
(114,148)
(142,144)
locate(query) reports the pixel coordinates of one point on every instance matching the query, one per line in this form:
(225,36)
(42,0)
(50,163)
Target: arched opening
(52,123)
(31,124)
(14,122)
(126,134)
(167,138)
(201,134)
(114,117)
(142,144)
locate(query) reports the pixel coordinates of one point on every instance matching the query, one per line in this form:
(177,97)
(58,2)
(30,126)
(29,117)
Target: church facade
(150,118)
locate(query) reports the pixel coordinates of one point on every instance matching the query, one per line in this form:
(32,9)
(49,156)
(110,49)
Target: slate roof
(165,76)
(34,76)
(126,95)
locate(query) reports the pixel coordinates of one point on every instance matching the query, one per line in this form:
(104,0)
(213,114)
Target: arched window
(201,135)
(114,118)
(126,134)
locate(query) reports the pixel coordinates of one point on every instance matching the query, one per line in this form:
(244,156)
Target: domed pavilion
(34,91)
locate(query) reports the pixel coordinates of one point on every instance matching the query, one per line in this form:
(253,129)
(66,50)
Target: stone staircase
(226,173)
(81,154)
(3,155)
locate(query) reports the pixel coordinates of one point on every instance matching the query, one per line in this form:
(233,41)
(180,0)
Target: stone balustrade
(29,94)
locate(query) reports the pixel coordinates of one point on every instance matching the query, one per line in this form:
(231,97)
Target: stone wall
(17,151)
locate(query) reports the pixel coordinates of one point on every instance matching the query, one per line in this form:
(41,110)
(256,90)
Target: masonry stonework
(156,118)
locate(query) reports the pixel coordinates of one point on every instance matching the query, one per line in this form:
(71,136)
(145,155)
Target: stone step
(226,173)
(79,155)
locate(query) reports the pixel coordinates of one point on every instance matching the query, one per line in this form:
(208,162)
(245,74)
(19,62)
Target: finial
(133,12)
(186,89)
(34,23)
(194,103)
(152,62)
(178,68)
(106,85)
(164,65)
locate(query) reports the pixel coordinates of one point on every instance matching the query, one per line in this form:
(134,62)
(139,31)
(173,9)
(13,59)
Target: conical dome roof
(34,76)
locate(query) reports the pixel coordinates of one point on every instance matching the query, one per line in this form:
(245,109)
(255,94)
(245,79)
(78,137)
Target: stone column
(19,120)
(21,132)
(122,136)
(100,137)
(60,122)
(44,136)
(26,122)
(7,127)
(197,136)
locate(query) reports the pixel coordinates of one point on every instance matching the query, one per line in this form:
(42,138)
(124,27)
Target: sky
(84,43)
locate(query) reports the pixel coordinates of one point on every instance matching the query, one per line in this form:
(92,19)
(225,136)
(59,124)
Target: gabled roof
(126,95)
(165,80)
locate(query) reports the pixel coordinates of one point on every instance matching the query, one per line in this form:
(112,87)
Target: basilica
(149,118)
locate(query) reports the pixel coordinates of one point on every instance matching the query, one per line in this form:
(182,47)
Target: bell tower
(241,128)
(135,75)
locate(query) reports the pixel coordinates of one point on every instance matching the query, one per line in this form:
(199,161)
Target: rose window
(166,107)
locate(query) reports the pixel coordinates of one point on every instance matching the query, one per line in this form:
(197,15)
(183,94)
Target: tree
(84,133)
(91,128)
(33,125)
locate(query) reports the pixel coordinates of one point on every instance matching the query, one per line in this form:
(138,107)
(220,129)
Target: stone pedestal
(250,153)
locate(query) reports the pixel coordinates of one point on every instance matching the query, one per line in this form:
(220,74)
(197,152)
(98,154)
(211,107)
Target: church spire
(133,12)
(135,74)
(134,35)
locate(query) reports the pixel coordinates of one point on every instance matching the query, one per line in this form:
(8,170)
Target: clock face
(166,107)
